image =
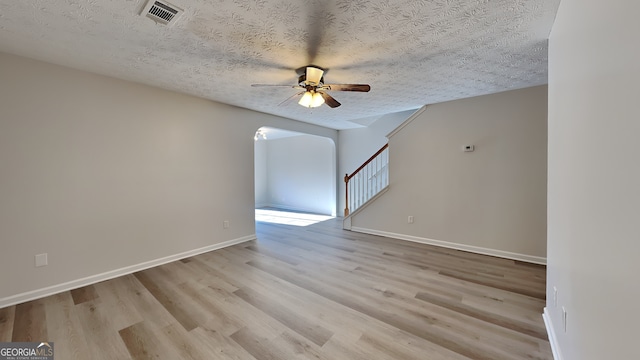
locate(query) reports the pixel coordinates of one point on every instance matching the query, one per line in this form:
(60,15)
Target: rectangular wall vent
(162,12)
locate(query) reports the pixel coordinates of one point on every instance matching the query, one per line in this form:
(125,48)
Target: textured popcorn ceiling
(411,52)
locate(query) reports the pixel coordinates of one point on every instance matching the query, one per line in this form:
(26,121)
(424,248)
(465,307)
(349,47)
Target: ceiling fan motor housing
(302,81)
(311,75)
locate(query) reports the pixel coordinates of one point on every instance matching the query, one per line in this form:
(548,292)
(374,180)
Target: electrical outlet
(41,260)
(225,224)
(410,219)
(555,297)
(564,319)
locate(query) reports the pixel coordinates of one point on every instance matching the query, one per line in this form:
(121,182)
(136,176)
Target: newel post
(346,195)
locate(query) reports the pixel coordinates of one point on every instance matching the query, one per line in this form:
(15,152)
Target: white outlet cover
(41,260)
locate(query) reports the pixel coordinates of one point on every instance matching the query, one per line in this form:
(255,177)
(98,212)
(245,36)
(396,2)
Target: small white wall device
(468,148)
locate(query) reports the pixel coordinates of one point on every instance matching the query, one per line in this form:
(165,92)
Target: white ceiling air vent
(162,12)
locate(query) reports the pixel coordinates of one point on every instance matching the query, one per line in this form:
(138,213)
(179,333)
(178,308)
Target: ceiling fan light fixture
(317,99)
(311,99)
(307,99)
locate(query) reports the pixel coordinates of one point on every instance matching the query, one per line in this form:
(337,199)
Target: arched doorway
(294,172)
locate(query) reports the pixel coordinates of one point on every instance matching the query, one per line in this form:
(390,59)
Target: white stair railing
(368,180)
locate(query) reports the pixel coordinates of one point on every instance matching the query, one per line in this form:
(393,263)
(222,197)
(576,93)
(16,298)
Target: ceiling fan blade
(347,87)
(329,100)
(314,75)
(275,85)
(288,100)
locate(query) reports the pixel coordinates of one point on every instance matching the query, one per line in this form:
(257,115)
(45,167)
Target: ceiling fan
(311,80)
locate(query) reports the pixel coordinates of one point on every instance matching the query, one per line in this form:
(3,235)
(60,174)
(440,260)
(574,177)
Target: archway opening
(294,176)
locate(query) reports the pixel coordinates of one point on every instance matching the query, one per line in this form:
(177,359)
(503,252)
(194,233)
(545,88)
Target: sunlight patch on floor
(289,218)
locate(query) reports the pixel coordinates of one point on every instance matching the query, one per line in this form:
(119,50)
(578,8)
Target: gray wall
(261,174)
(358,145)
(492,200)
(594,180)
(108,176)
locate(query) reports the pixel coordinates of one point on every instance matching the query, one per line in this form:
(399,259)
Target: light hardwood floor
(314,292)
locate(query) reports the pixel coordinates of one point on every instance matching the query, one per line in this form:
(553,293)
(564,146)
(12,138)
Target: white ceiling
(412,53)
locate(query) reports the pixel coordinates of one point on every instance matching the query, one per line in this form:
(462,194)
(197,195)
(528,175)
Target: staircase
(367,181)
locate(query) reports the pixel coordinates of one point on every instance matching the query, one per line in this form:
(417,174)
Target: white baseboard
(553,340)
(456,246)
(74,284)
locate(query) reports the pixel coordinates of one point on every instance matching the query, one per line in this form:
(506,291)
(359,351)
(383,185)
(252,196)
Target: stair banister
(348,177)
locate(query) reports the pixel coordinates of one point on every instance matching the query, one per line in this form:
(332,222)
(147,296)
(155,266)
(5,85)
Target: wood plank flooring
(314,292)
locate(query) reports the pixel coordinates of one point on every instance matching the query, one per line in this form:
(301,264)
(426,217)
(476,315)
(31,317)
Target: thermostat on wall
(468,148)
